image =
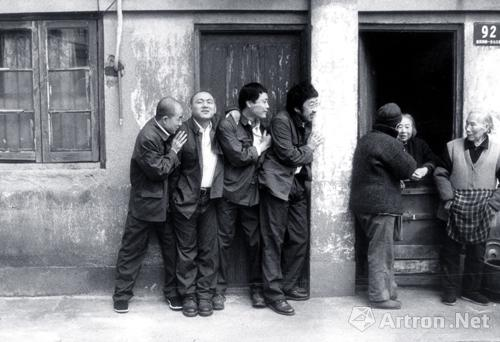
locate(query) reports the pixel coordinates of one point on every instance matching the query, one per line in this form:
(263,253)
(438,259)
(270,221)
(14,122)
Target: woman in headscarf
(417,148)
(467,186)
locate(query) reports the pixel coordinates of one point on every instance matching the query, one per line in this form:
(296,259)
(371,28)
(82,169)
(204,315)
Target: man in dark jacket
(153,159)
(283,201)
(379,164)
(243,142)
(198,186)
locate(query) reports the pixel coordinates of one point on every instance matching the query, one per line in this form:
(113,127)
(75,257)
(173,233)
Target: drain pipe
(117,65)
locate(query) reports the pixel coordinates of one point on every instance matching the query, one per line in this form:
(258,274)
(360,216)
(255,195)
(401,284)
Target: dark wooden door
(423,60)
(230,57)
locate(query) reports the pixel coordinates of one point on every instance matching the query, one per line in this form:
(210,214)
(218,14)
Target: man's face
(309,109)
(203,106)
(260,107)
(475,127)
(172,124)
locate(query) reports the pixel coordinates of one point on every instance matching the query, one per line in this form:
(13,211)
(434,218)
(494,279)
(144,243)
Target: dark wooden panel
(228,61)
(422,252)
(416,266)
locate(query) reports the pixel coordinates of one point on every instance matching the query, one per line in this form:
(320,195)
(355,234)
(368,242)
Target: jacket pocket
(152,190)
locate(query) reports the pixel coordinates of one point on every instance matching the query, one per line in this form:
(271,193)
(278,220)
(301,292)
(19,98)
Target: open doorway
(419,68)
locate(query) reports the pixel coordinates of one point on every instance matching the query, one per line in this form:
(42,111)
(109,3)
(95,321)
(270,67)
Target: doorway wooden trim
(301,29)
(458,68)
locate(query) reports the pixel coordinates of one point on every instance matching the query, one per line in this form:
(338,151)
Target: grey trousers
(379,229)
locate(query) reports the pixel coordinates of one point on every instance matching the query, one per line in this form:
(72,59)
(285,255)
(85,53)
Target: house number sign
(487,34)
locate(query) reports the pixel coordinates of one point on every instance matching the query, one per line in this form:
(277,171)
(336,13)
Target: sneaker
(189,307)
(218,301)
(449,298)
(120,306)
(476,298)
(386,305)
(174,303)
(205,307)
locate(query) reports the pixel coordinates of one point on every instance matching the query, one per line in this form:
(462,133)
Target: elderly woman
(416,147)
(467,186)
(379,164)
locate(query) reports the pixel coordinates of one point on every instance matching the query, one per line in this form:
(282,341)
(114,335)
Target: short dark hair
(299,94)
(166,107)
(196,93)
(250,92)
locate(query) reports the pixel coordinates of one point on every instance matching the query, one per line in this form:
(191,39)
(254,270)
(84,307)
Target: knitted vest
(465,174)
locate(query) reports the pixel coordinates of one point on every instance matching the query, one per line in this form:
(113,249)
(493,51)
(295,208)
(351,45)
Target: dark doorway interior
(417,69)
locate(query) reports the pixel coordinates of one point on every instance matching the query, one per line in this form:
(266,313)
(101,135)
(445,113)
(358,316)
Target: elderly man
(283,202)
(467,185)
(153,160)
(379,164)
(243,141)
(198,185)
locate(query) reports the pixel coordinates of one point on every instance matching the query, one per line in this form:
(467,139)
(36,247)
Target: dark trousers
(473,266)
(379,231)
(247,218)
(285,238)
(197,251)
(133,249)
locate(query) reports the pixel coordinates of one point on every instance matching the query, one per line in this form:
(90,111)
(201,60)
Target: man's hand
(178,141)
(265,142)
(314,140)
(419,173)
(447,205)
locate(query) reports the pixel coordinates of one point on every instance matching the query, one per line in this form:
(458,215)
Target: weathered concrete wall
(481,72)
(61,224)
(334,70)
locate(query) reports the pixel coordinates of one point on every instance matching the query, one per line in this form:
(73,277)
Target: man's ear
(249,104)
(296,110)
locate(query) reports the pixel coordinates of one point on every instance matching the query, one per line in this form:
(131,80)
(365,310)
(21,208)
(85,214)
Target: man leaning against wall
(153,160)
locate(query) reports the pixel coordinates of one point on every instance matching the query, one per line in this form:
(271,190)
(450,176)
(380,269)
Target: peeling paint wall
(334,71)
(481,72)
(61,224)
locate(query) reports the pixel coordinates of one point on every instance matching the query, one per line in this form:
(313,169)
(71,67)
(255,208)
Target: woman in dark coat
(417,148)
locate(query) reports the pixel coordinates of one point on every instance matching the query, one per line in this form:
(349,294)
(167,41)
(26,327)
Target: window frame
(40,68)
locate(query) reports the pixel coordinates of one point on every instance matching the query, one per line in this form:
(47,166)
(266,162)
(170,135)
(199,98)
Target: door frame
(458,66)
(302,29)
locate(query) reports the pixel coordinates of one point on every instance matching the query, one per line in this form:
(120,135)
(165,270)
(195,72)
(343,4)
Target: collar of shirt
(245,121)
(162,129)
(200,127)
(469,145)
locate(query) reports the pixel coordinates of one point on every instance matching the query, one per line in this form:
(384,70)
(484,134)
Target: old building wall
(61,224)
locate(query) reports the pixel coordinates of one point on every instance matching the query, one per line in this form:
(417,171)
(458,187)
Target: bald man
(198,188)
(153,160)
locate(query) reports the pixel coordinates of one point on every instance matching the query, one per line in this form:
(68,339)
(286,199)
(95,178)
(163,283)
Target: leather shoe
(296,294)
(282,307)
(258,300)
(189,307)
(205,307)
(218,301)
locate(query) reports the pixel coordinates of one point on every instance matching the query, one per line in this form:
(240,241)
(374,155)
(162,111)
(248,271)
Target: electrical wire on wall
(117,64)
